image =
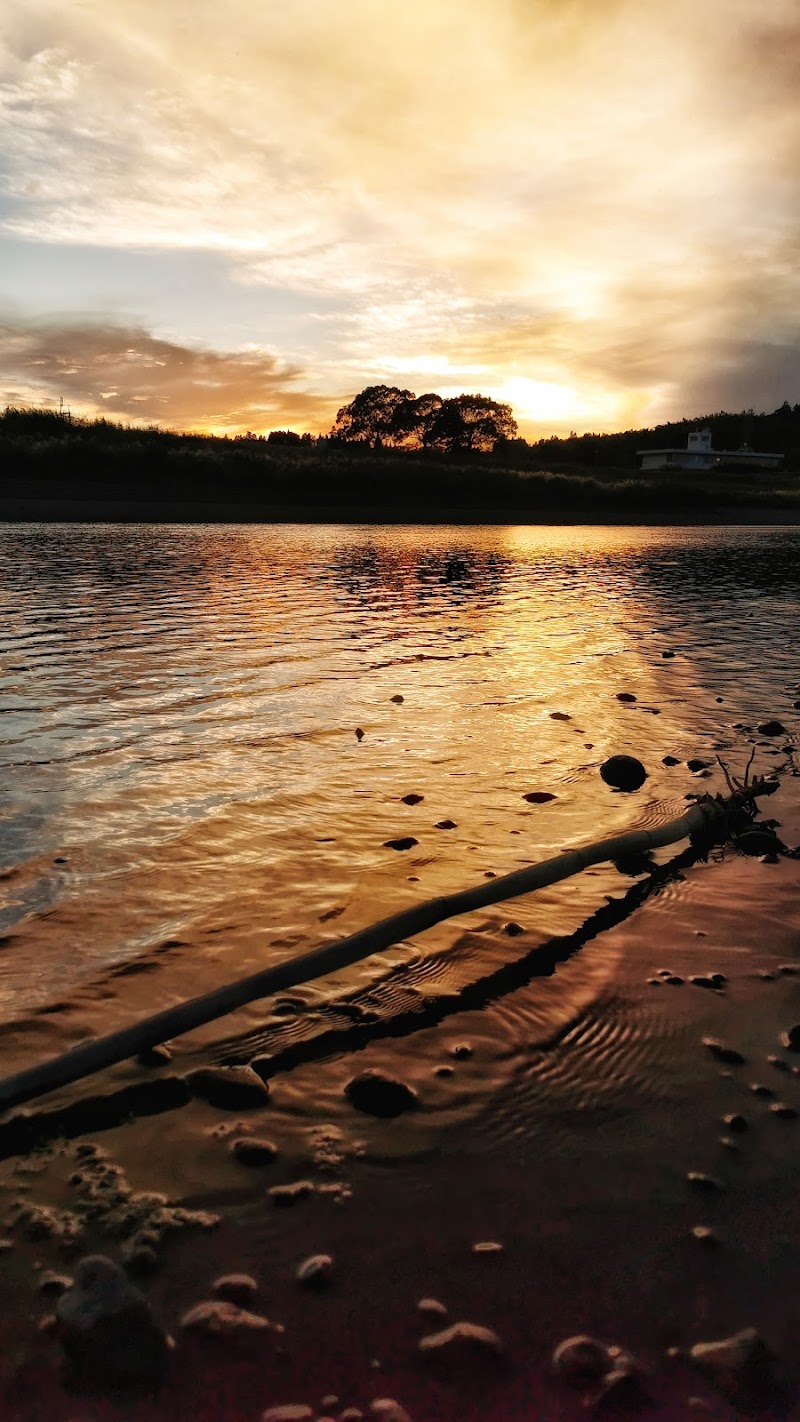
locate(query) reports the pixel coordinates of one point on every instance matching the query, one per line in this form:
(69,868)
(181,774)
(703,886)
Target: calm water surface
(184,797)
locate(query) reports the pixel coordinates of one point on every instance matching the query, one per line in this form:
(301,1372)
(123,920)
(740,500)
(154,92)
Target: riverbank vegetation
(472,464)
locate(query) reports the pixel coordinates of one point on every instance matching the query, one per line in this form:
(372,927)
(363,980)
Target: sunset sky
(235,216)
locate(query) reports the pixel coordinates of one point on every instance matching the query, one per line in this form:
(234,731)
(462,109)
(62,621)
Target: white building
(698,454)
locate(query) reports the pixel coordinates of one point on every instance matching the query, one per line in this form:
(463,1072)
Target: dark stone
(581,1360)
(460,1339)
(771,728)
(284,1196)
(412,799)
(53,1285)
(670,760)
(359,734)
(699,1181)
(230,1088)
(623,772)
(758,1089)
(513,929)
(141,1260)
(376,1094)
(443,1071)
(240,1289)
(722,1052)
(744,1370)
(110,1337)
(252,1150)
(783,1111)
(778,1063)
(397,699)
(696,764)
(707,980)
(538,797)
(316,1271)
(667,654)
(446,824)
(791,1038)
(155,1056)
(461,1051)
(674,980)
(407,842)
(221,1319)
(789,970)
(559,716)
(625,696)
(735,1123)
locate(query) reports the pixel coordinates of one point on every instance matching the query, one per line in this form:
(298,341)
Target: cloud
(127,374)
(599,194)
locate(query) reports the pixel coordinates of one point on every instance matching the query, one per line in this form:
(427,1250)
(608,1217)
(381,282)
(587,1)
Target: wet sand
(576,1163)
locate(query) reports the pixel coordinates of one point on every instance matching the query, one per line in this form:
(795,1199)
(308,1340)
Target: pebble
(623,772)
(445,825)
(619,1393)
(412,799)
(706,980)
(538,797)
(407,842)
(290,1412)
(432,1306)
(699,1181)
(234,1088)
(729,1143)
(778,1063)
(665,655)
(789,969)
(771,728)
(140,1259)
(223,1319)
(559,716)
(581,1359)
(108,1331)
(359,734)
(461,1051)
(287,1195)
(351,1414)
(722,1052)
(670,760)
(513,929)
(791,1038)
(487,1246)
(758,1089)
(741,1366)
(316,1271)
(389,1410)
(377,1094)
(696,764)
(735,1122)
(443,1071)
(397,699)
(674,980)
(253,1150)
(783,1111)
(329,1402)
(460,1338)
(706,1235)
(51,1284)
(240,1289)
(625,696)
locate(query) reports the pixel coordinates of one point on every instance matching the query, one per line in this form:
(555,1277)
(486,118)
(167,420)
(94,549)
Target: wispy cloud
(598,194)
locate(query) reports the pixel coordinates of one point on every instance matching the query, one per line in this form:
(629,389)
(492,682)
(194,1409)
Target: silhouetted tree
(469,422)
(374,416)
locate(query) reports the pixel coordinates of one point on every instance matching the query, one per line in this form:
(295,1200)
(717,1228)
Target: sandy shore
(575,1163)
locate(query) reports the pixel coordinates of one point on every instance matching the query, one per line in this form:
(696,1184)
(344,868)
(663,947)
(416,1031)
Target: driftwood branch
(711,816)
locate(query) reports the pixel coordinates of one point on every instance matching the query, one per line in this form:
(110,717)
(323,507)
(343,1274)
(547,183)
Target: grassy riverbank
(52,469)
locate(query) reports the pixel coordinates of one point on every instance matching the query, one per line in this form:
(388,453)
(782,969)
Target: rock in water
(240,1289)
(581,1360)
(377,1094)
(253,1150)
(109,1334)
(387,1410)
(231,1088)
(538,797)
(791,1038)
(771,728)
(316,1271)
(742,1368)
(222,1319)
(461,1338)
(623,772)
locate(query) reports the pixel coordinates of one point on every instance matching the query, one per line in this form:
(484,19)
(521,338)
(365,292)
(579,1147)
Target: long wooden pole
(94,1056)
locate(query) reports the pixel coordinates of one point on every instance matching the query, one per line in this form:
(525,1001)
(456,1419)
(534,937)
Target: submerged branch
(711,817)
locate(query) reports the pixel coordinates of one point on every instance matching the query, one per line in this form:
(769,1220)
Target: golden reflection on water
(186,794)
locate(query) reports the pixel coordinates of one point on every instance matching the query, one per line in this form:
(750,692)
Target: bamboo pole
(90,1057)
